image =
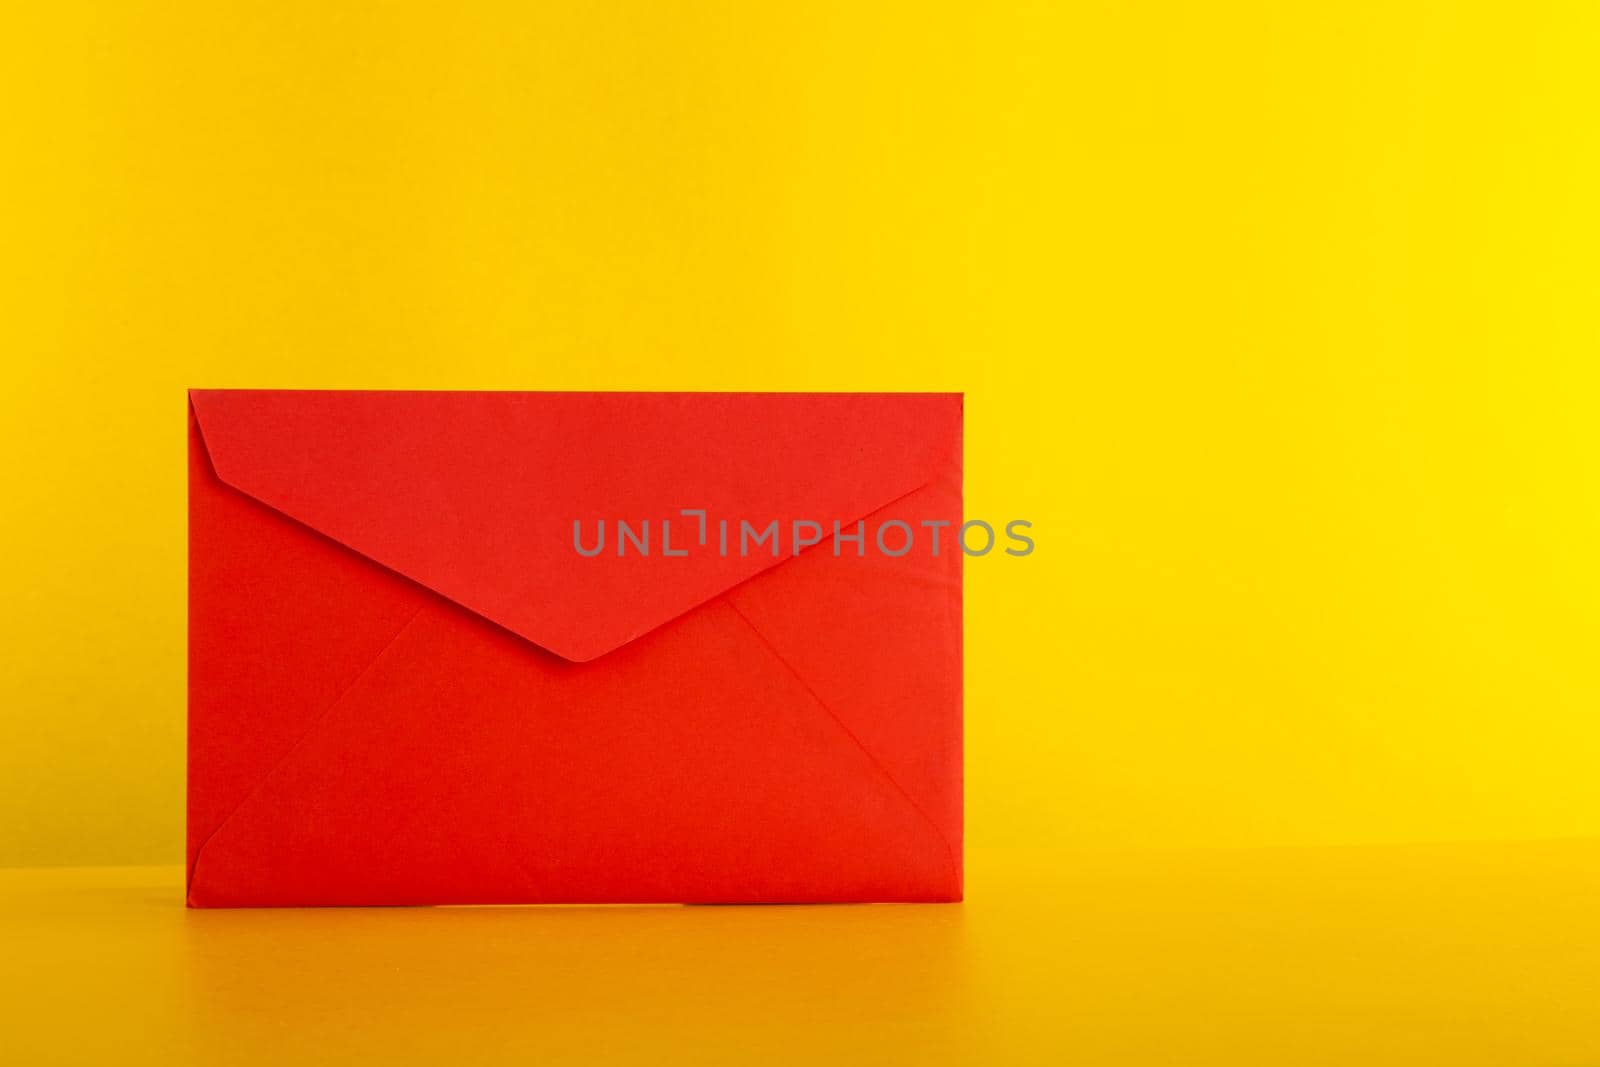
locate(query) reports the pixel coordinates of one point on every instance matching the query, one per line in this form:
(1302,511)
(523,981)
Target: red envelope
(408,685)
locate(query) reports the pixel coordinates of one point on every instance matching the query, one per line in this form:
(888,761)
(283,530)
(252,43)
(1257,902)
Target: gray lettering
(700,512)
(1021,538)
(859,537)
(935,525)
(666,540)
(799,542)
(625,534)
(961,537)
(577,542)
(745,529)
(903,548)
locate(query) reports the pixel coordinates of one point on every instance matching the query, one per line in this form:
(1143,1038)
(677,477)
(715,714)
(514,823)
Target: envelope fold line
(311,728)
(772,650)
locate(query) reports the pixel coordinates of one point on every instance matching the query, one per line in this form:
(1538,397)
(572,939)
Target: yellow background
(1277,320)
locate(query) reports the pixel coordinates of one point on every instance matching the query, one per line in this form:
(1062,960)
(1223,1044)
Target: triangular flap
(474,494)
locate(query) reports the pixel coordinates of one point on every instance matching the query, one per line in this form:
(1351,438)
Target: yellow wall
(1278,320)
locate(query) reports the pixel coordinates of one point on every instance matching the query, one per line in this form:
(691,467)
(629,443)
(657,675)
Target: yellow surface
(1452,956)
(1278,321)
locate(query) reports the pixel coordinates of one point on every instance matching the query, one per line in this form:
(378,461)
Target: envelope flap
(475,494)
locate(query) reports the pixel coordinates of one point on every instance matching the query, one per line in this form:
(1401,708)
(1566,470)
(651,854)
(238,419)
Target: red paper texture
(407,687)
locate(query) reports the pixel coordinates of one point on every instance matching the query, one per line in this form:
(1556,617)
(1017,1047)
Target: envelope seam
(950,852)
(305,735)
